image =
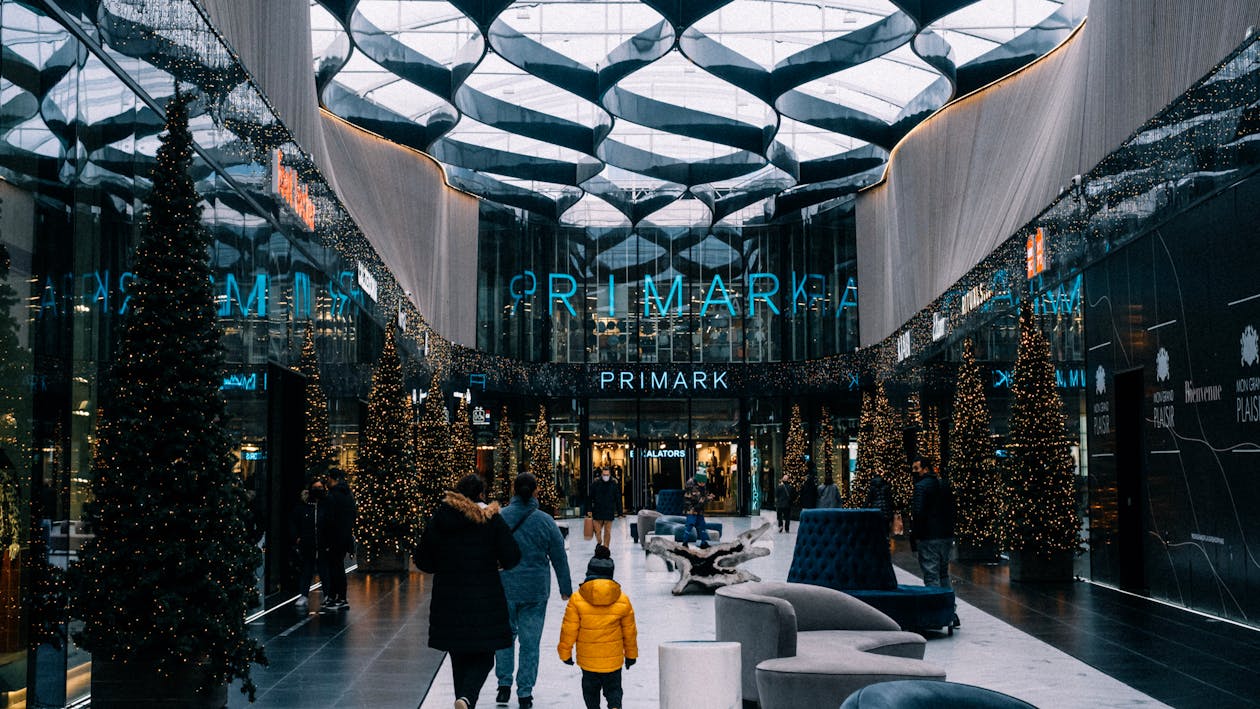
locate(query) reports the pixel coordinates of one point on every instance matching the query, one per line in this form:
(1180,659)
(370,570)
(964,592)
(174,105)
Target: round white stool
(700,674)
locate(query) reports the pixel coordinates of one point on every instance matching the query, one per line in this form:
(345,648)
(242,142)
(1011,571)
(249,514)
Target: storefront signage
(762,291)
(480,417)
(903,346)
(291,191)
(1073,378)
(660,453)
(1035,253)
(642,381)
(244,382)
(940,325)
(243,296)
(367,281)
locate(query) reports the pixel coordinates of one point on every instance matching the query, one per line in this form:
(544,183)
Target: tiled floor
(986,651)
(1066,645)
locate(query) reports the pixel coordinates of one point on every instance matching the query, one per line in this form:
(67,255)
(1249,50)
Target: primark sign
(645,381)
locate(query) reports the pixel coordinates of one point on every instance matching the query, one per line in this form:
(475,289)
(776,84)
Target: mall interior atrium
(901,353)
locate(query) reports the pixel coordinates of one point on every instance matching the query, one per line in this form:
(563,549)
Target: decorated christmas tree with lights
(973,474)
(167,578)
(386,490)
(463,455)
(865,468)
(504,460)
(929,437)
(890,450)
(827,445)
(319,448)
(1041,481)
(432,446)
(538,447)
(795,450)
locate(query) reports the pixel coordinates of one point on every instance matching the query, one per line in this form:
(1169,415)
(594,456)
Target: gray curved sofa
(832,641)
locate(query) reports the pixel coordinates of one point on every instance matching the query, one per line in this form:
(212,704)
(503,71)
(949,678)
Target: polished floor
(1068,645)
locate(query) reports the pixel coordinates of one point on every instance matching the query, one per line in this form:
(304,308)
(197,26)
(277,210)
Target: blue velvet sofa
(676,526)
(929,694)
(847,550)
(669,502)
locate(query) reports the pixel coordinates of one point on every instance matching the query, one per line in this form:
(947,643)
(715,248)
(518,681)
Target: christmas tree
(929,436)
(865,468)
(504,460)
(794,464)
(890,450)
(973,475)
(1041,484)
(538,447)
(319,449)
(463,455)
(827,434)
(168,576)
(386,489)
(432,448)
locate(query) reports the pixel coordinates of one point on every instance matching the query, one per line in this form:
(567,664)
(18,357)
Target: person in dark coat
(809,489)
(336,539)
(603,504)
(879,496)
(783,504)
(303,533)
(464,546)
(932,515)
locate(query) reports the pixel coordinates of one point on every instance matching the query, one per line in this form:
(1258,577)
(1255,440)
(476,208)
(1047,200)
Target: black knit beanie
(602,566)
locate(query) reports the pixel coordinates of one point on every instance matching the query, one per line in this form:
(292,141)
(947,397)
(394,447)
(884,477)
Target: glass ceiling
(668,112)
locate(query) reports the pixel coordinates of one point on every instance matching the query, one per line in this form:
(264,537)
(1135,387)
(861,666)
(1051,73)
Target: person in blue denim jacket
(527,587)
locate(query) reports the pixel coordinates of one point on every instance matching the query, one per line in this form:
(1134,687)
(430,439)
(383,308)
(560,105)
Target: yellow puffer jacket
(600,619)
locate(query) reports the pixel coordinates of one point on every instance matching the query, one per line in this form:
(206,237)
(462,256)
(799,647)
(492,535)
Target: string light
(538,448)
(795,450)
(319,448)
(861,485)
(973,472)
(168,576)
(463,454)
(432,445)
(504,459)
(386,489)
(1041,480)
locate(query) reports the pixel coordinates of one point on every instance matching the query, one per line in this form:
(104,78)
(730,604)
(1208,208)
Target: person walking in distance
(828,494)
(603,505)
(527,587)
(879,496)
(464,546)
(783,504)
(600,621)
(336,538)
(932,517)
(304,525)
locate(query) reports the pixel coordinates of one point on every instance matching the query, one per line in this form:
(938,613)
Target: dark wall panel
(1183,303)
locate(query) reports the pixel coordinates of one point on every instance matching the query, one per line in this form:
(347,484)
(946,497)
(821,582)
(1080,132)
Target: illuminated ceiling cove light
(671,112)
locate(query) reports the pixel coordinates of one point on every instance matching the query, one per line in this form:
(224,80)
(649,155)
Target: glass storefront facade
(79,128)
(773,292)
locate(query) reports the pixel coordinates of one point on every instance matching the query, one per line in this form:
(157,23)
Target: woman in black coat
(464,546)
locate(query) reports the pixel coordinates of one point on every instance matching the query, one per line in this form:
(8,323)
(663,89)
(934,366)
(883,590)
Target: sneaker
(955,623)
(461,703)
(503,695)
(327,603)
(341,605)
(301,604)
(526,702)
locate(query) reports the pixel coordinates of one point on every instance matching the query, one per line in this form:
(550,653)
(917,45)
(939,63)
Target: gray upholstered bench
(813,680)
(772,619)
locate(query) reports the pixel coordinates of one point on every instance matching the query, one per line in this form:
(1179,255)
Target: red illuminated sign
(1035,253)
(292,192)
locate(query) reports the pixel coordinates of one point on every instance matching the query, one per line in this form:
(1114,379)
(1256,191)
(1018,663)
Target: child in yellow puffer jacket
(600,619)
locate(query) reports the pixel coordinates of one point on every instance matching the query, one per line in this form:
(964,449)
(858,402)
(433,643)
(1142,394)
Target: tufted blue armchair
(669,502)
(848,550)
